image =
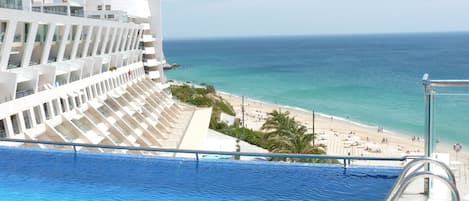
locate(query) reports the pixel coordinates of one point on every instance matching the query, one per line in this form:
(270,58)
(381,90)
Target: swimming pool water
(35,174)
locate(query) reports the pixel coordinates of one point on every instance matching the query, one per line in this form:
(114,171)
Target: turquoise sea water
(372,79)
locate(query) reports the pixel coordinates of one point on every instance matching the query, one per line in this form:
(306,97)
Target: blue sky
(228,18)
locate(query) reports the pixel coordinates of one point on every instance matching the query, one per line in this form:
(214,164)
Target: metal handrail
(444,83)
(197,152)
(420,161)
(426,174)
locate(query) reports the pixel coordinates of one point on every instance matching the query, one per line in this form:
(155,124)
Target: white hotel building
(70,78)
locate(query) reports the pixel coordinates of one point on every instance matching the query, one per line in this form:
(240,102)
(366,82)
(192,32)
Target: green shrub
(245,134)
(206,97)
(200,101)
(225,107)
(202,91)
(210,89)
(203,97)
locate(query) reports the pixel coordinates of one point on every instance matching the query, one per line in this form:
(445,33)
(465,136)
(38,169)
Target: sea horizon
(369,79)
(227,37)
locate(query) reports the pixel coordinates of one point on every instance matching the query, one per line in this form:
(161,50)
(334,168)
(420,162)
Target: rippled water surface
(30,174)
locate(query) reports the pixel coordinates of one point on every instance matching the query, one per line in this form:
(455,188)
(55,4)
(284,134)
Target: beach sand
(345,137)
(342,136)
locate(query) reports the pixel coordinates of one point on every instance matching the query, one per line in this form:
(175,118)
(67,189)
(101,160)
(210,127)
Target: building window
(37,114)
(47,111)
(15,123)
(3,133)
(36,9)
(77,11)
(14,4)
(59,10)
(94,16)
(27,119)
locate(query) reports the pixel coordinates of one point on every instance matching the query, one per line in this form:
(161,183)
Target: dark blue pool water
(33,174)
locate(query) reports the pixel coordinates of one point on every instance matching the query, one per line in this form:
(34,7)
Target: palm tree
(297,142)
(277,124)
(286,135)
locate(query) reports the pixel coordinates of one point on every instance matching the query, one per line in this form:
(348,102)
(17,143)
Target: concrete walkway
(196,131)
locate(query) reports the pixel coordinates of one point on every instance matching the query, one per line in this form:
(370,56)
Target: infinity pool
(37,174)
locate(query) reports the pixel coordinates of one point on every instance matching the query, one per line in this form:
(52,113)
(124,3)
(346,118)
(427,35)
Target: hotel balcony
(81,80)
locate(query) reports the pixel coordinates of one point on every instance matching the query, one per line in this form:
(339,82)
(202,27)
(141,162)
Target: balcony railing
(206,152)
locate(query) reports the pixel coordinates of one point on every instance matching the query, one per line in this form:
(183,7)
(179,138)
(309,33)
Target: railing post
(197,152)
(428,118)
(428,92)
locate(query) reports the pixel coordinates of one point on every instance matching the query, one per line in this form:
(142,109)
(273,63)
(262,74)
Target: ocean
(370,79)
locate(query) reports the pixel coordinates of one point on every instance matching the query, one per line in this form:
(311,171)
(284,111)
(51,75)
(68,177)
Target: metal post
(242,109)
(314,133)
(428,116)
(428,93)
(238,147)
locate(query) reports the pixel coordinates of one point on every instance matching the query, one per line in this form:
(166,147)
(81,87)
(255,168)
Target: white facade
(74,79)
(146,12)
(63,44)
(137,8)
(155,23)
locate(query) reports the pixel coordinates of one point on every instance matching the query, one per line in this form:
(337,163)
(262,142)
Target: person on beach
(380,129)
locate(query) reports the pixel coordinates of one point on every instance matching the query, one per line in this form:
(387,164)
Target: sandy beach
(342,136)
(345,137)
